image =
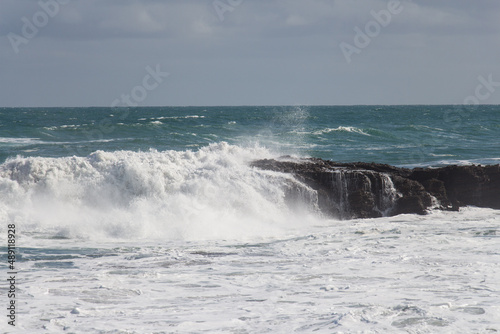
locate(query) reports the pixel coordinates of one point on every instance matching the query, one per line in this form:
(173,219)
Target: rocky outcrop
(364,190)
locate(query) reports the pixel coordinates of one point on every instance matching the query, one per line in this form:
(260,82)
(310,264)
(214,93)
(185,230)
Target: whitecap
(341,129)
(19,141)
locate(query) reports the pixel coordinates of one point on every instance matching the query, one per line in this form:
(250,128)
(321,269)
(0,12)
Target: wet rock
(364,190)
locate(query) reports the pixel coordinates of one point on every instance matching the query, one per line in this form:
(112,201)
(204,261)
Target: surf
(210,193)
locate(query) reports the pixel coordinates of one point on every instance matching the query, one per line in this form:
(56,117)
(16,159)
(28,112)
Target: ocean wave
(351,129)
(64,126)
(178,117)
(458,162)
(25,142)
(204,194)
(19,141)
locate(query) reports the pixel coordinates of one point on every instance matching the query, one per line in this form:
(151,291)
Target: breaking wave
(211,193)
(342,129)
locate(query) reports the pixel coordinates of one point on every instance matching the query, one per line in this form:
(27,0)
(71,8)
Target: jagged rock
(363,190)
(463,185)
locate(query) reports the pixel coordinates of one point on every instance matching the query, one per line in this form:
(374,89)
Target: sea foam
(205,194)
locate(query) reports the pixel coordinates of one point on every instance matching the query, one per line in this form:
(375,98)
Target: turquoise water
(399,135)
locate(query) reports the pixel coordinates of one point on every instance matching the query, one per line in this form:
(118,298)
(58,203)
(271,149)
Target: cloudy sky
(248,52)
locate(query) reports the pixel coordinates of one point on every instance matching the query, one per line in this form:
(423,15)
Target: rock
(413,197)
(365,190)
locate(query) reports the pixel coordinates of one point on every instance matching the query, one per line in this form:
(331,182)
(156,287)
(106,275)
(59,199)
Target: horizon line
(259,105)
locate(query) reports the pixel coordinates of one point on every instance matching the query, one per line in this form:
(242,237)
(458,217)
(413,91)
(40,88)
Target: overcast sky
(248,52)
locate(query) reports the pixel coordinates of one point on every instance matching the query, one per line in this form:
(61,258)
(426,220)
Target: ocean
(151,220)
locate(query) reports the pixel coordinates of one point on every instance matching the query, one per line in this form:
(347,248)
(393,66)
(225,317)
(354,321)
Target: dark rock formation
(363,190)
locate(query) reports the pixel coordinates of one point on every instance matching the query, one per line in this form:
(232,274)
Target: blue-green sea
(399,135)
(153,220)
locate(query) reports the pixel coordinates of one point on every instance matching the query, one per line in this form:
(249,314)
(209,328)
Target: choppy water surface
(151,220)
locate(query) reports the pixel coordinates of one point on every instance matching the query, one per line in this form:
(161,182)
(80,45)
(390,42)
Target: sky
(65,53)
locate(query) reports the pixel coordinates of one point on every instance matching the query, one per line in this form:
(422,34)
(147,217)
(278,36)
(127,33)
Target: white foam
(205,194)
(65,126)
(411,274)
(19,141)
(341,129)
(459,162)
(178,117)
